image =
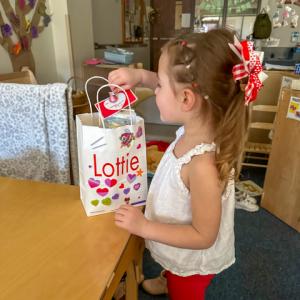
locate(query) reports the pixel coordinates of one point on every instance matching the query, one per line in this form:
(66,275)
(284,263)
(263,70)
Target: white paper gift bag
(112,161)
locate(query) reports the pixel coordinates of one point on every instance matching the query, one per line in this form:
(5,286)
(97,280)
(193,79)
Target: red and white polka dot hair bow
(250,67)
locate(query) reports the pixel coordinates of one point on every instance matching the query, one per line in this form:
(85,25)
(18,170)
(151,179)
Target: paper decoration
(115,103)
(16,49)
(22,4)
(294,109)
(31,3)
(34,32)
(46,20)
(24,23)
(6,30)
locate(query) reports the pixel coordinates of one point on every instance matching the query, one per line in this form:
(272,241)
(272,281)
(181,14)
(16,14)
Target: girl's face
(168,104)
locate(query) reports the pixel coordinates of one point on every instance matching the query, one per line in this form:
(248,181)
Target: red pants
(187,288)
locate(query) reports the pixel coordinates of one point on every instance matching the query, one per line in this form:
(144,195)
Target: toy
(155,152)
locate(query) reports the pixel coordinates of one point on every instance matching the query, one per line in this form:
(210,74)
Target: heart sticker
(139,132)
(115,196)
(121,186)
(102,192)
(93,182)
(95,202)
(131,178)
(110,182)
(106,201)
(139,146)
(117,104)
(137,186)
(126,191)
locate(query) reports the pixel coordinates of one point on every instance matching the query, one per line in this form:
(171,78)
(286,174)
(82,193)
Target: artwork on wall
(17,31)
(285,14)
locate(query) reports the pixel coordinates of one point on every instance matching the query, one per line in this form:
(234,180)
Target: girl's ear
(189,100)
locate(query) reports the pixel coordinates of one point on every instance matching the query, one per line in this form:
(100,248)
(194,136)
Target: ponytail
(230,138)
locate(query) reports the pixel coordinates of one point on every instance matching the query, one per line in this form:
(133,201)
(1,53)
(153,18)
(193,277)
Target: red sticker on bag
(115,102)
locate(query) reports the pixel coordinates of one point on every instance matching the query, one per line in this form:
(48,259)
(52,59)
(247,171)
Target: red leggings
(187,288)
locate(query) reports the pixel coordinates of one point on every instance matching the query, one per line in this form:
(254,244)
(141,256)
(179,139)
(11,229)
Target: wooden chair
(256,154)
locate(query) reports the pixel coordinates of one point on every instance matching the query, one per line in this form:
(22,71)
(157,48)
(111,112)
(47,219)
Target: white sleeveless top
(169,201)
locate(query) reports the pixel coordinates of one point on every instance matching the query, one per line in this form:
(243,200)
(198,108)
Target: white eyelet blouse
(169,202)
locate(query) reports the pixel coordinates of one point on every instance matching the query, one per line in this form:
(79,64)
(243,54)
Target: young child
(189,219)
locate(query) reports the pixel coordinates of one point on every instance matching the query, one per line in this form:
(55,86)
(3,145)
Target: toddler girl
(189,219)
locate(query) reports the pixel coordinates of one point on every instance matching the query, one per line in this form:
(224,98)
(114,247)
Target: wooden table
(51,250)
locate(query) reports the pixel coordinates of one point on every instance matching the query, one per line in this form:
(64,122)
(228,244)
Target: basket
(79,99)
(123,58)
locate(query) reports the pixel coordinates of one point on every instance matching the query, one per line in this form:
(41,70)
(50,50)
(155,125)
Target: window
(238,15)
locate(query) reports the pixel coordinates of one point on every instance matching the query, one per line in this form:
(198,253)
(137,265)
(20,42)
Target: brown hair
(205,61)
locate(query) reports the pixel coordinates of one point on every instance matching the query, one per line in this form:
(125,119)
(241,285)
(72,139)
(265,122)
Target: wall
(63,60)
(283,33)
(82,39)
(107,21)
(107,28)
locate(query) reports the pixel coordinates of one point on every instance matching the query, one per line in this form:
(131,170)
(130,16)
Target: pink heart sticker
(110,182)
(93,182)
(102,192)
(137,186)
(139,132)
(131,178)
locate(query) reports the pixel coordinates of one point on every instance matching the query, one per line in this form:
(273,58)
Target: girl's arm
(128,78)
(205,192)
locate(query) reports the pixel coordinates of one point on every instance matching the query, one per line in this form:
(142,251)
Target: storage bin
(119,57)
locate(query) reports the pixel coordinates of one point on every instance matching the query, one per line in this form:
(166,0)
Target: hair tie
(250,67)
(195,85)
(183,43)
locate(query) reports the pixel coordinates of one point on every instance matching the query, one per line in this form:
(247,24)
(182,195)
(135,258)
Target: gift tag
(115,102)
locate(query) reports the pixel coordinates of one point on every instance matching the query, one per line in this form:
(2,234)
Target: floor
(267,259)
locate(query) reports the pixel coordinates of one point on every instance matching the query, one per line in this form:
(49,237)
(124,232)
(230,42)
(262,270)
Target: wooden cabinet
(282,182)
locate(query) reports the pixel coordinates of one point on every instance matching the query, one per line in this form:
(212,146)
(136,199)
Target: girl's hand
(132,219)
(126,78)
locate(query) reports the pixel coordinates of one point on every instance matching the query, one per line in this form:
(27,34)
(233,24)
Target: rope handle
(101,119)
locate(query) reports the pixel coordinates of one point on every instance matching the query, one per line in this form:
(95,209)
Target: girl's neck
(198,131)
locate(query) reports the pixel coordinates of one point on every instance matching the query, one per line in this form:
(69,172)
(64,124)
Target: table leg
(129,261)
(131,283)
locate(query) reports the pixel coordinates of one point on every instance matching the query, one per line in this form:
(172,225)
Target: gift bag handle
(127,98)
(86,91)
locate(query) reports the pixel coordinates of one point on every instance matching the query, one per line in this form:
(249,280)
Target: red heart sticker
(102,192)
